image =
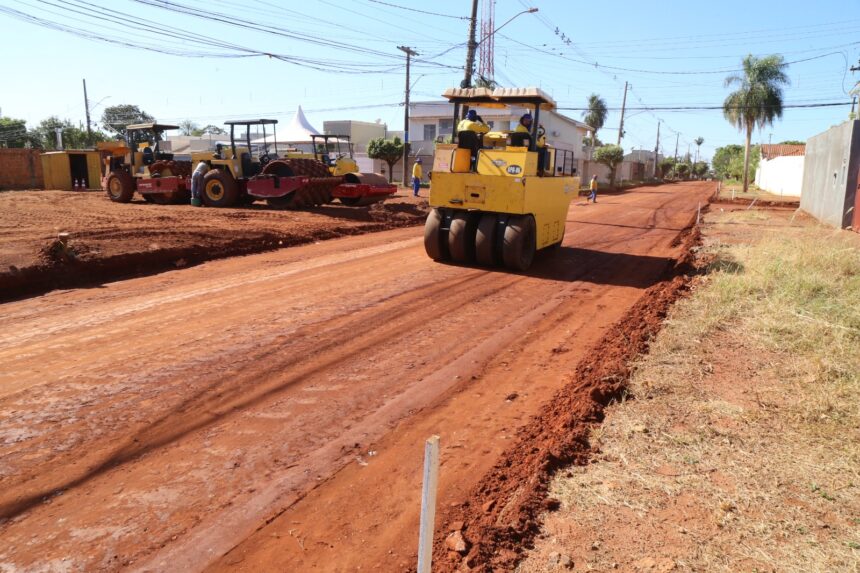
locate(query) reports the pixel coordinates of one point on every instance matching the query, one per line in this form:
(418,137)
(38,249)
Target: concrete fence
(20,169)
(830,174)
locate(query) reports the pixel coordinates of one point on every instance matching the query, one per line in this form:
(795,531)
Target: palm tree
(698,141)
(595,116)
(758,100)
(483,82)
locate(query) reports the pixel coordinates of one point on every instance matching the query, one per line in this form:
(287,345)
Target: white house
(780,169)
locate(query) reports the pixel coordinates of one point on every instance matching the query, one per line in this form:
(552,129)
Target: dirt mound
(108,241)
(501,516)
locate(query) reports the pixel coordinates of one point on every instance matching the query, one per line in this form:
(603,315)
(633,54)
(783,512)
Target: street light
(473,46)
(529,11)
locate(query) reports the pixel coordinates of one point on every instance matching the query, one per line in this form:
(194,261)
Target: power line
(713,107)
(419,11)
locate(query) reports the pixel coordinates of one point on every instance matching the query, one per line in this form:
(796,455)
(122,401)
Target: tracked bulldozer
(500,198)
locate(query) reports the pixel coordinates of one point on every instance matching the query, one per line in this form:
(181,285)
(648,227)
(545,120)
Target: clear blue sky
(42,68)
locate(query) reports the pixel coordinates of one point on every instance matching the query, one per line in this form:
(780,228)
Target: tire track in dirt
(290,372)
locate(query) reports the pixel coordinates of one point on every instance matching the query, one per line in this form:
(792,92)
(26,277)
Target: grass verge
(741,451)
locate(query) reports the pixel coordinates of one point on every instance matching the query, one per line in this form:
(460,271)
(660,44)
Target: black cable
(419,11)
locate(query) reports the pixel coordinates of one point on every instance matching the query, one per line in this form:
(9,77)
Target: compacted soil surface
(110,240)
(269,412)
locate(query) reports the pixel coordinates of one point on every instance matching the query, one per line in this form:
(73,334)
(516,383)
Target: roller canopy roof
(500,97)
(251,122)
(151,126)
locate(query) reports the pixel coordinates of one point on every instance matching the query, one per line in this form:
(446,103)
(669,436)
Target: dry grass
(733,190)
(741,451)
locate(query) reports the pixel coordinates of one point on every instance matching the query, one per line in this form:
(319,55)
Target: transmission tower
(486,48)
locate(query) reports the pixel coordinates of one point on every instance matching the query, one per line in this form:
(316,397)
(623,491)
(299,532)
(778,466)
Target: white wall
(781,175)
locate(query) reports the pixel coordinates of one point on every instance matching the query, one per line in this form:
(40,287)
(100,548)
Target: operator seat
(148,156)
(249,168)
(520,139)
(472,141)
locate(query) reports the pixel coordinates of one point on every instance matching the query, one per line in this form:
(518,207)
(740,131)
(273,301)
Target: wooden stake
(428,504)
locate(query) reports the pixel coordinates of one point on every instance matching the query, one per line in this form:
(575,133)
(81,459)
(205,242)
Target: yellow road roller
(498,197)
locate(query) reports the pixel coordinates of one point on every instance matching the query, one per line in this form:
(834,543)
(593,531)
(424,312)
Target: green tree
(667,166)
(792,142)
(188,127)
(388,150)
(13,132)
(595,116)
(728,161)
(700,169)
(610,156)
(723,157)
(758,100)
(208,130)
(44,136)
(117,118)
(682,169)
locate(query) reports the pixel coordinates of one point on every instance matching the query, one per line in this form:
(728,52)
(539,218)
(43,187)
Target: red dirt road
(160,423)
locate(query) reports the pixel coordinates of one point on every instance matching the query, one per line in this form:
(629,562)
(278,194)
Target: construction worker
(473,122)
(525,124)
(593,195)
(197,183)
(417,173)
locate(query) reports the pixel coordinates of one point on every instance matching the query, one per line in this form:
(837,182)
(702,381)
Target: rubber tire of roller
(461,237)
(485,240)
(433,236)
(519,245)
(123,183)
(230,191)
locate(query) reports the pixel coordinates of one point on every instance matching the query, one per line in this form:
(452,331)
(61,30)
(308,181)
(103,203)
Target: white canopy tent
(299,130)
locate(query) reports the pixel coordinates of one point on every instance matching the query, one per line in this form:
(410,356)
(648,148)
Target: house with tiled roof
(780,169)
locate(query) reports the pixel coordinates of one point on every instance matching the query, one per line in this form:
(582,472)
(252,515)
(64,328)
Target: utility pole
(623,106)
(87,108)
(409,53)
(472,46)
(677,137)
(656,149)
(470,62)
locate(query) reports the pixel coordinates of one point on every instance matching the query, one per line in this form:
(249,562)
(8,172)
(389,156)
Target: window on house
(429,132)
(446,126)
